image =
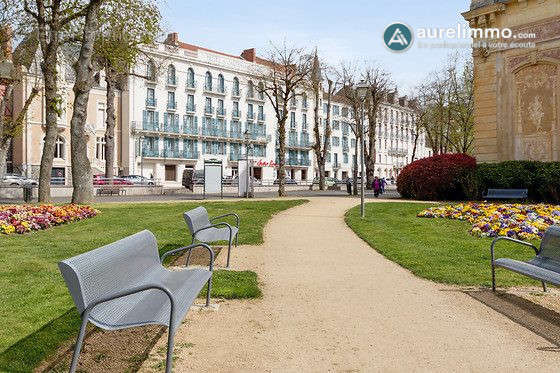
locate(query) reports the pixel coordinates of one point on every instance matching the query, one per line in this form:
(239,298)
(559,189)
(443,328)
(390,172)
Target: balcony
(150,153)
(236,114)
(255,96)
(214,132)
(171,82)
(294,161)
(209,110)
(171,153)
(236,135)
(171,105)
(191,85)
(191,108)
(208,88)
(189,154)
(190,130)
(250,115)
(171,127)
(151,102)
(221,112)
(235,156)
(261,117)
(345,147)
(150,126)
(221,90)
(235,93)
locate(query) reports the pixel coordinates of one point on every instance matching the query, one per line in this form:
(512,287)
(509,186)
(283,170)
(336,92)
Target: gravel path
(332,303)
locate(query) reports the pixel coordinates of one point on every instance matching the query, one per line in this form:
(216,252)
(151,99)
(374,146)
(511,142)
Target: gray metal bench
(124,284)
(203,229)
(545,266)
(506,194)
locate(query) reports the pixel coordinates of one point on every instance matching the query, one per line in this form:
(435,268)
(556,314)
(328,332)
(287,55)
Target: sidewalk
(332,303)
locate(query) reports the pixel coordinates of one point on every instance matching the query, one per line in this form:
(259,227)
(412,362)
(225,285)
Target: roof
(195,48)
(475,4)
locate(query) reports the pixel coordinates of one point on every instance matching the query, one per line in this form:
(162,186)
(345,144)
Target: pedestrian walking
(349,186)
(376,186)
(383,185)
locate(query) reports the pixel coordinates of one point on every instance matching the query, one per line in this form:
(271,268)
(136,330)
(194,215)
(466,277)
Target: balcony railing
(221,90)
(151,102)
(221,112)
(190,130)
(191,85)
(293,161)
(150,126)
(171,105)
(189,154)
(261,117)
(214,131)
(191,108)
(250,115)
(236,114)
(235,156)
(209,110)
(208,88)
(236,134)
(171,127)
(235,93)
(171,153)
(171,81)
(152,153)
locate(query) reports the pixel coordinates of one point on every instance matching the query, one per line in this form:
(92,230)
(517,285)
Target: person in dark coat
(349,186)
(376,186)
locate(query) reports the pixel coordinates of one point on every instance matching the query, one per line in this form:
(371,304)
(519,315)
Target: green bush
(542,179)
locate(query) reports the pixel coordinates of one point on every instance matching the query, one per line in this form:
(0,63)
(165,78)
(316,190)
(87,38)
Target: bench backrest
(511,193)
(110,268)
(550,244)
(197,218)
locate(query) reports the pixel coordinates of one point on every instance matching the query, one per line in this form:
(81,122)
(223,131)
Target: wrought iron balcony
(171,105)
(221,112)
(236,114)
(190,129)
(151,102)
(171,153)
(191,108)
(150,126)
(190,154)
(150,152)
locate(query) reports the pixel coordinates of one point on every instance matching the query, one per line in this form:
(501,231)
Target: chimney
(249,55)
(6,35)
(172,38)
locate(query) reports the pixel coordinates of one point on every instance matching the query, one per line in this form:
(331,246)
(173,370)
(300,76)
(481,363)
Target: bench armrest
(505,238)
(225,215)
(222,224)
(130,291)
(189,248)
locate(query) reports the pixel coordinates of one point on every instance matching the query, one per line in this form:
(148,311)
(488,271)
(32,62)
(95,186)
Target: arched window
(208,81)
(221,84)
(304,101)
(171,79)
(190,77)
(250,89)
(261,91)
(151,70)
(59,147)
(235,86)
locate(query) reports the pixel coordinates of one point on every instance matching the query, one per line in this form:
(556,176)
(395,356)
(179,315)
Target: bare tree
(286,70)
(128,26)
(85,70)
(321,149)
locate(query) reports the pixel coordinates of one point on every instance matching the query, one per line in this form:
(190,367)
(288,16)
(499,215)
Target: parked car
(18,180)
(287,181)
(100,179)
(329,181)
(198,177)
(139,180)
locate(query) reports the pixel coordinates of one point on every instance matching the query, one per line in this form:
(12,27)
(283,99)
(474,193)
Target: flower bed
(526,222)
(27,218)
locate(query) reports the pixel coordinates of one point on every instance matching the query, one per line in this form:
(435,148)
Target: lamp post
(361,90)
(247,136)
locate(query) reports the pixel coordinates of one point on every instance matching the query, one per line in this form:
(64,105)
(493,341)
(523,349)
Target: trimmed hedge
(458,177)
(441,177)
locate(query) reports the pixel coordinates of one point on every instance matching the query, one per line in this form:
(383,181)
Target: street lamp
(362,90)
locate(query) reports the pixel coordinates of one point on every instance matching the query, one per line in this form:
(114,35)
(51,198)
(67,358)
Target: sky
(348,30)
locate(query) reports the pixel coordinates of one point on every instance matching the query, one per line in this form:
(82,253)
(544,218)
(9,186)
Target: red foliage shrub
(441,177)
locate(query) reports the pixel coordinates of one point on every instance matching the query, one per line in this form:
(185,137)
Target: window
(250,89)
(190,78)
(250,112)
(304,122)
(261,112)
(221,84)
(100,148)
(208,105)
(325,108)
(236,109)
(101,116)
(59,147)
(150,97)
(235,86)
(345,112)
(293,119)
(208,81)
(151,70)
(261,91)
(336,125)
(304,101)
(336,110)
(221,110)
(353,143)
(190,102)
(345,157)
(336,141)
(171,79)
(171,104)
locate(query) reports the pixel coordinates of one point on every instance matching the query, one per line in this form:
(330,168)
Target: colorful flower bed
(27,218)
(526,222)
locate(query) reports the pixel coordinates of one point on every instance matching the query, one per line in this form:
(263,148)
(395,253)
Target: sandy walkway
(334,304)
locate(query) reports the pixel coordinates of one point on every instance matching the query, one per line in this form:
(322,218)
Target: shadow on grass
(538,319)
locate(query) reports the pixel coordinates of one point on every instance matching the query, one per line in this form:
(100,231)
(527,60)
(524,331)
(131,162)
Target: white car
(18,180)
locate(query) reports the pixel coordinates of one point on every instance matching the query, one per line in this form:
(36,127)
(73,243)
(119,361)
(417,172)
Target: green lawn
(441,250)
(36,309)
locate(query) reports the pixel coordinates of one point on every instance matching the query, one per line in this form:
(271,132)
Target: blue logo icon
(398,37)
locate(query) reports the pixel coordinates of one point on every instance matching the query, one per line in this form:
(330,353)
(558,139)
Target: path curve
(332,303)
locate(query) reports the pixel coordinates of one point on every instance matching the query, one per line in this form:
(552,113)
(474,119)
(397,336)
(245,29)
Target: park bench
(110,190)
(506,194)
(545,266)
(203,229)
(124,284)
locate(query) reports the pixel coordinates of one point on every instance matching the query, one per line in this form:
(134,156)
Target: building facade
(186,104)
(517,88)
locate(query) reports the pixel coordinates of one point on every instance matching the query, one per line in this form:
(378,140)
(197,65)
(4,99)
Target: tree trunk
(317,134)
(110,131)
(81,167)
(282,155)
(4,147)
(52,110)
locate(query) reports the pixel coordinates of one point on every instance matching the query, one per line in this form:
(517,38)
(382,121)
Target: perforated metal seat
(545,266)
(124,284)
(203,230)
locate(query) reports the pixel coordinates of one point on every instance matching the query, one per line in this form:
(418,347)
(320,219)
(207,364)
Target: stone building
(517,87)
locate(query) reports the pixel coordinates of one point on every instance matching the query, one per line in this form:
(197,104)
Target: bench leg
(493,277)
(236,239)
(543,286)
(208,292)
(78,345)
(170,343)
(229,251)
